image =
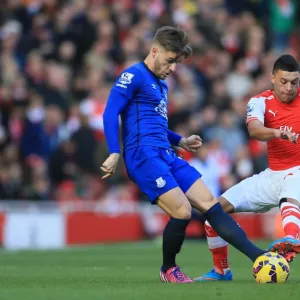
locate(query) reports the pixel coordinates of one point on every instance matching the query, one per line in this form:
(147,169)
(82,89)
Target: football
(271,268)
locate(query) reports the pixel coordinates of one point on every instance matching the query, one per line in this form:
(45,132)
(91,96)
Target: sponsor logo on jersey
(288,128)
(162,109)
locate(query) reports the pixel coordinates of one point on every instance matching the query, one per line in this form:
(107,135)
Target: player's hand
(110,164)
(290,136)
(191,144)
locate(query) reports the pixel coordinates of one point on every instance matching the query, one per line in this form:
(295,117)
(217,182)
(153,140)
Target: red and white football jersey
(266,108)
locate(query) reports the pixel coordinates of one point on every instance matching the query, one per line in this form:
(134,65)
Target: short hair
(287,63)
(173,39)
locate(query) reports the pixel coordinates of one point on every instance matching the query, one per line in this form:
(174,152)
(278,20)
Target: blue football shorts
(157,170)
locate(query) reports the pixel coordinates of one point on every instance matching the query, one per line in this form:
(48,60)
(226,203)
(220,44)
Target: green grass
(128,272)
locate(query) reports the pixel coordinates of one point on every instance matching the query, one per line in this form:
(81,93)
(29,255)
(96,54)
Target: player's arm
(258,131)
(173,137)
(115,105)
(125,87)
(255,122)
(191,144)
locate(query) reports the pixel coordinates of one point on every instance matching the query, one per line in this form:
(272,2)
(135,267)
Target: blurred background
(58,61)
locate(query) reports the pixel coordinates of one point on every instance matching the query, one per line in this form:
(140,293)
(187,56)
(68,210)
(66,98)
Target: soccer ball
(271,268)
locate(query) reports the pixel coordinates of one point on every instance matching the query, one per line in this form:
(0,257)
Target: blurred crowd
(59,59)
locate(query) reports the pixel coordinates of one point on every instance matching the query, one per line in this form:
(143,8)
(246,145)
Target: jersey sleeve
(129,82)
(115,105)
(256,110)
(173,137)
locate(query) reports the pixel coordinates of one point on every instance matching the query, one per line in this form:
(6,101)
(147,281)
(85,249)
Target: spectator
(282,22)
(58,60)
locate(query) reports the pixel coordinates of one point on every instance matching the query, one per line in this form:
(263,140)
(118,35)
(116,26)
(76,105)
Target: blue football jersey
(145,118)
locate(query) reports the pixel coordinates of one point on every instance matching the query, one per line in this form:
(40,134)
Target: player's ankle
(293,235)
(292,232)
(221,271)
(165,268)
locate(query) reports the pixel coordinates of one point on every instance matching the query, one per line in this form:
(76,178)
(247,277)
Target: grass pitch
(128,272)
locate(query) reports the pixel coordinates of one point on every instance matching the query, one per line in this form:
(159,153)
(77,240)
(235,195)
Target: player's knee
(288,200)
(209,202)
(183,212)
(282,200)
(226,205)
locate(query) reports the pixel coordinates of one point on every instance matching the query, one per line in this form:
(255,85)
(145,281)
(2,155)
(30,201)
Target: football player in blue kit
(139,96)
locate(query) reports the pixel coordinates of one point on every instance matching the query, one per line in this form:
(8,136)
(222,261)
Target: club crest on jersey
(162,109)
(126,78)
(160,183)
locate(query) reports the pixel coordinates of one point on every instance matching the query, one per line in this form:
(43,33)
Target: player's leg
(218,246)
(201,198)
(222,222)
(147,168)
(242,197)
(289,204)
(290,214)
(219,250)
(176,205)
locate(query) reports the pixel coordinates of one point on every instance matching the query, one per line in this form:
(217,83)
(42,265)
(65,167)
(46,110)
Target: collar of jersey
(152,73)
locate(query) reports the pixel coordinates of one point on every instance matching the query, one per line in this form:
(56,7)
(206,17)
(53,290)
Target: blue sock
(231,232)
(173,238)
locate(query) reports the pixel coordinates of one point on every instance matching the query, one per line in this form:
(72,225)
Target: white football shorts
(263,191)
